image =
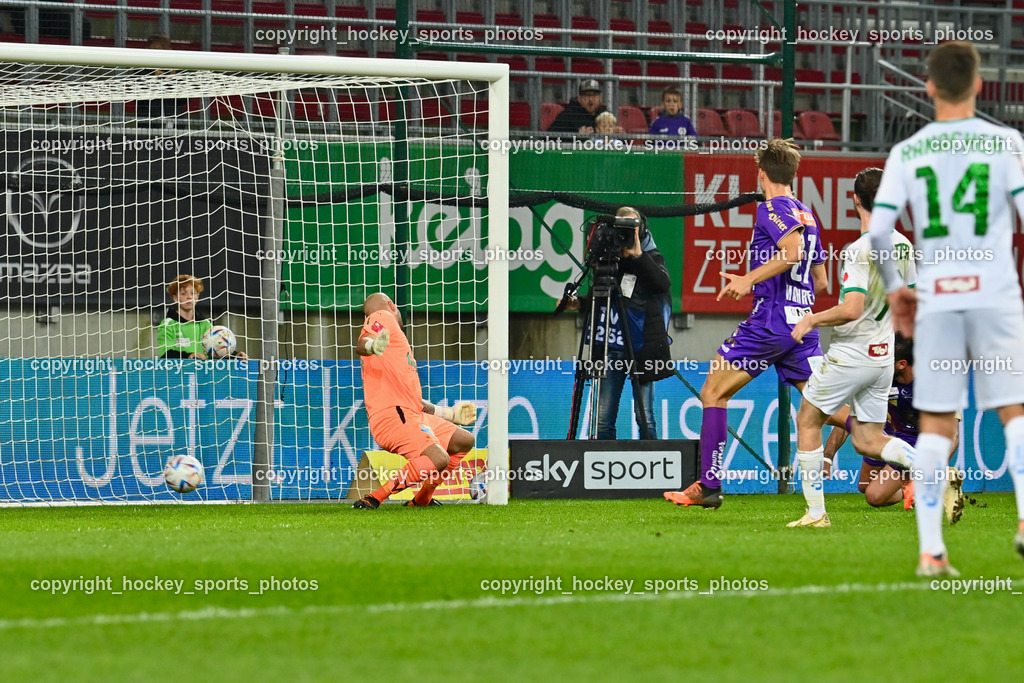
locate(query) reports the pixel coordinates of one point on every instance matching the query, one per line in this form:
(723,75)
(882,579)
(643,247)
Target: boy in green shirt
(180,334)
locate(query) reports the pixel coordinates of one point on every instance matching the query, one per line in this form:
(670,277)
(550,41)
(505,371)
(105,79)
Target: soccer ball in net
(219,342)
(478,487)
(183,473)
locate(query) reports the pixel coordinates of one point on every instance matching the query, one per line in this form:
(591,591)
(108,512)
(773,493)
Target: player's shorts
(398,430)
(874,462)
(944,340)
(864,387)
(753,349)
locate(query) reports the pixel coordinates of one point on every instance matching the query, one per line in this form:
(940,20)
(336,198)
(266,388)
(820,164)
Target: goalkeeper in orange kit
(400,420)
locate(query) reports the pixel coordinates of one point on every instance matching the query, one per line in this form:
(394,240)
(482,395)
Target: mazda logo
(45,201)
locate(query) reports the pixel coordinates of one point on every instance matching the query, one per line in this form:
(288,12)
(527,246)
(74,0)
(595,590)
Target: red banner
(719,242)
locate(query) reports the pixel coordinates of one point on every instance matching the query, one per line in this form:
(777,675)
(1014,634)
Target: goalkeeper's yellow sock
(426,492)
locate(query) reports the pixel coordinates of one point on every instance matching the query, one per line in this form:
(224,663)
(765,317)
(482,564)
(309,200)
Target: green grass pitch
(398,593)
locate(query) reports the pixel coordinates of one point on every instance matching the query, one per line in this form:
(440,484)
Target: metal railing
(885,110)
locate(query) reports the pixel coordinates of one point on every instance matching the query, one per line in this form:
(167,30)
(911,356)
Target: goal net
(287,189)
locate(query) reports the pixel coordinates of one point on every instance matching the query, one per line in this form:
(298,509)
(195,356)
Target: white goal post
(291,187)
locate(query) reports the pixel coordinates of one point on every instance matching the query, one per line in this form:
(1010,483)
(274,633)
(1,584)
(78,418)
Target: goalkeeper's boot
(822,522)
(1018,540)
(411,503)
(908,495)
(953,498)
(696,494)
(931,566)
(367,502)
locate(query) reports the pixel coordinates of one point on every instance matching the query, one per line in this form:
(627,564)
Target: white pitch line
(210,613)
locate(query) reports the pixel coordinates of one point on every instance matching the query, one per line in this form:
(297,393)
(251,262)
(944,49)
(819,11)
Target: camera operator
(644,286)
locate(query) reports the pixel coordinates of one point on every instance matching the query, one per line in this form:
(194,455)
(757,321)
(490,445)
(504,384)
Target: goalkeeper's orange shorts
(398,430)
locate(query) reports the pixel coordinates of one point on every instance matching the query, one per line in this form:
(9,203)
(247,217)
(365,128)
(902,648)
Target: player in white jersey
(959,175)
(858,367)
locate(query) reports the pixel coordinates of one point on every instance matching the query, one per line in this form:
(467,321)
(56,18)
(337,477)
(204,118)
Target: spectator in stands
(180,333)
(607,129)
(166,107)
(605,123)
(580,115)
(672,120)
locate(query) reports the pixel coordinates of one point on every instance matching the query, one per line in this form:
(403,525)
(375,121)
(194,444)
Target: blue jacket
(672,125)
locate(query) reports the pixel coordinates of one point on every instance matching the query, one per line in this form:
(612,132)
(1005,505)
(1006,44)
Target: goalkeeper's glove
(377,346)
(464,413)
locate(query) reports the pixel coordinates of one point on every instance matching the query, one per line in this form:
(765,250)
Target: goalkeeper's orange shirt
(390,380)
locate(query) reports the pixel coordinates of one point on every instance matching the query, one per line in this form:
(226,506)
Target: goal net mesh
(291,198)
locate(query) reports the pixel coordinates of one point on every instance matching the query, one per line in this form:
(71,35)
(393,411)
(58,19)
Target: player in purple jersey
(881,483)
(786,269)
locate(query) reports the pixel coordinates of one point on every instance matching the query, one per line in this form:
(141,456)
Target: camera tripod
(604,292)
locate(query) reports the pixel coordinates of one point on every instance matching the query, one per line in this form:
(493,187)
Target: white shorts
(864,387)
(948,344)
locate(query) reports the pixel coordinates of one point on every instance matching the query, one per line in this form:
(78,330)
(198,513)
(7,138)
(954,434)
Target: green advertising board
(339,242)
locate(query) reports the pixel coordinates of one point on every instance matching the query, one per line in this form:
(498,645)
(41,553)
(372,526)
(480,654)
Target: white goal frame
(497,77)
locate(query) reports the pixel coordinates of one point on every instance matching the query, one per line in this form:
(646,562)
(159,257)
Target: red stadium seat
(694,28)
(661,70)
(263,104)
(144,17)
(621,24)
(227,107)
(310,9)
(737,73)
(508,19)
(549,111)
(550,64)
(655,26)
(810,76)
(632,119)
(235,7)
(267,8)
(546,25)
(817,126)
(464,19)
(840,77)
(584,23)
(705,71)
(353,108)
(710,123)
(742,124)
(777,126)
(473,113)
(585,65)
(431,16)
(310,106)
(354,12)
(627,67)
(515,63)
(436,111)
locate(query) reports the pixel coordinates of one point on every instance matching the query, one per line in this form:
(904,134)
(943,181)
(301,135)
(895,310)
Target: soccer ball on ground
(183,473)
(219,342)
(478,487)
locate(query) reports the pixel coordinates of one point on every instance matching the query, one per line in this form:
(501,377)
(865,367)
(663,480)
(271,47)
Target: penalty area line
(212,613)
